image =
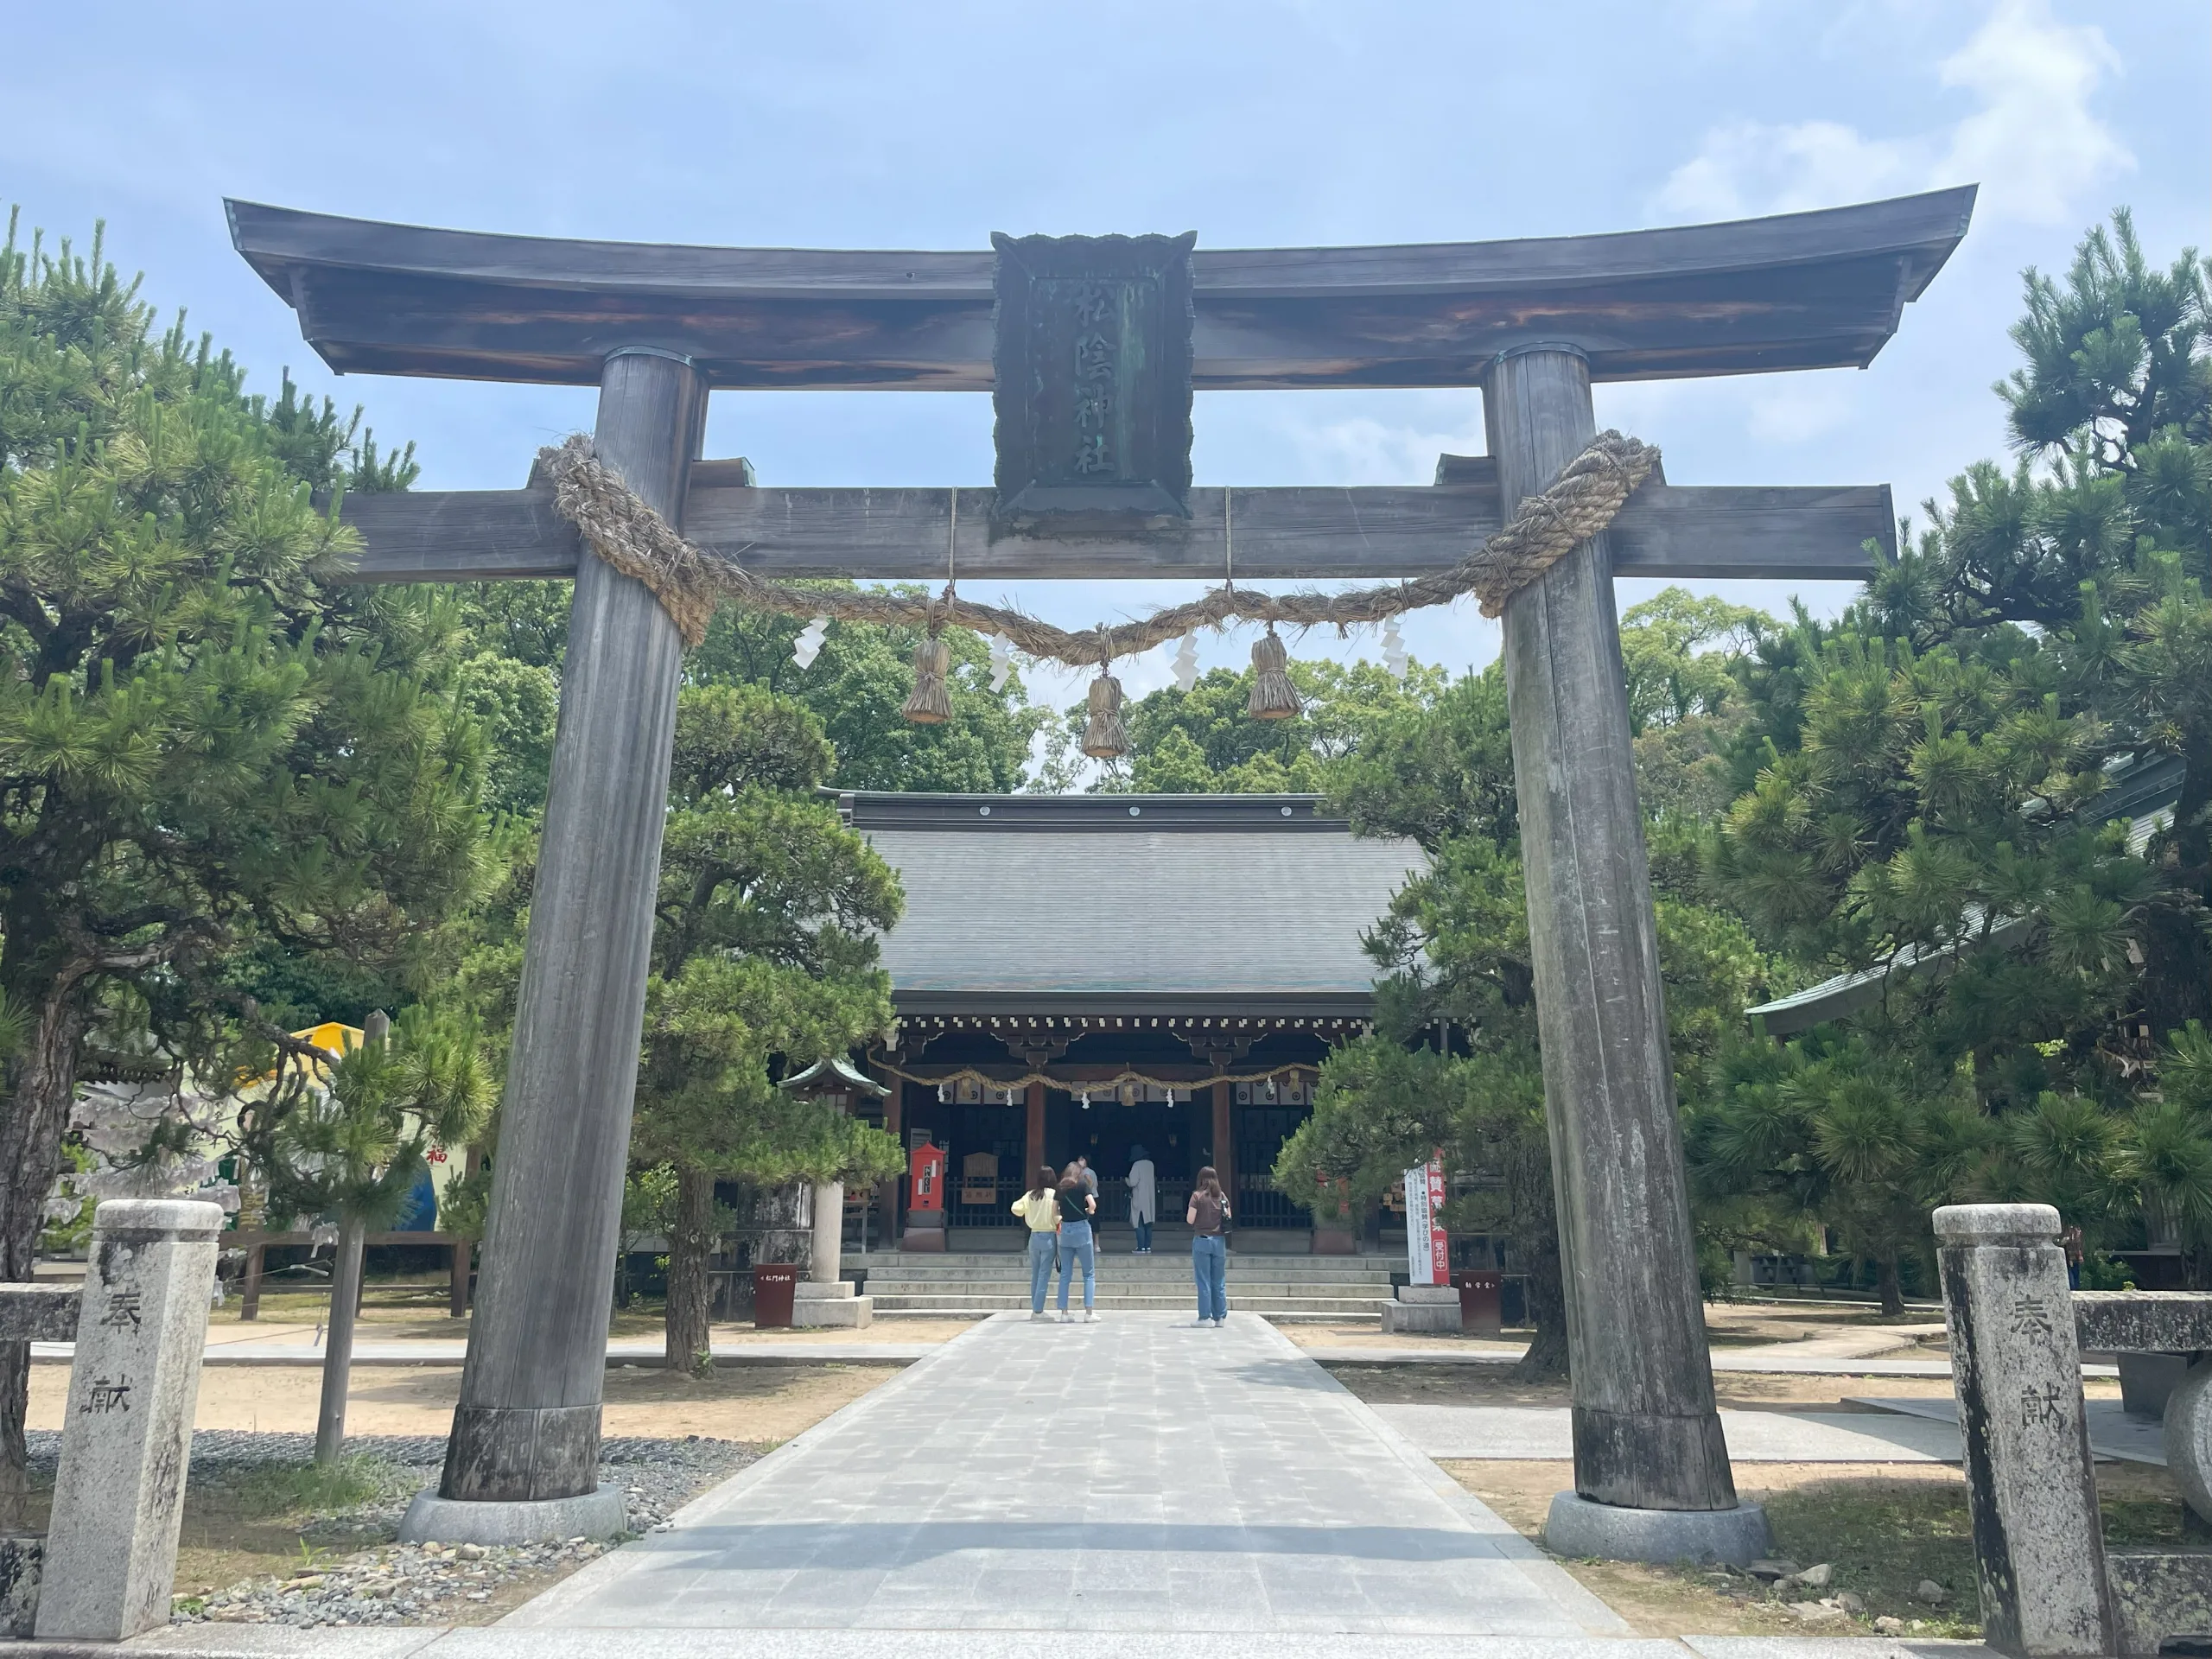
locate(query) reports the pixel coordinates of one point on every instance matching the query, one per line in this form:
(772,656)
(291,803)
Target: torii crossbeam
(1532,323)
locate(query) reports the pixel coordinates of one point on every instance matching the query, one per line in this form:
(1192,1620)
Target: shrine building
(1085,973)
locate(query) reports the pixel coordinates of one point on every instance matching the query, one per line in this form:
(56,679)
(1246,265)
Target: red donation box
(925,1178)
(1482,1300)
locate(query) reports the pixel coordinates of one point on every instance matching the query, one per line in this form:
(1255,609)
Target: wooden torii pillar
(1532,323)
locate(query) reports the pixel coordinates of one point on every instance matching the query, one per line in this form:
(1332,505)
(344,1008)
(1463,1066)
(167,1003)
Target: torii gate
(1532,323)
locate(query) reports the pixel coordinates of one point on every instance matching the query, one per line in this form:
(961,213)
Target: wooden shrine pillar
(1647,1432)
(527,1425)
(894,1118)
(1224,1142)
(1034,1141)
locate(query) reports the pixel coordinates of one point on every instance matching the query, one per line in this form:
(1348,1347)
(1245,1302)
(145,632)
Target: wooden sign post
(1532,323)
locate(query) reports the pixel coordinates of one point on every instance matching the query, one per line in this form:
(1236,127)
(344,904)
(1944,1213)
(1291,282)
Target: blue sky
(876,124)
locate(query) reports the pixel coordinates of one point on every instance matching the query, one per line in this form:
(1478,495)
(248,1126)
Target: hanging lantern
(931,705)
(1273,697)
(1103,738)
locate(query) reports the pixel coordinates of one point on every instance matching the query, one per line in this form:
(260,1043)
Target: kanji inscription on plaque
(1091,356)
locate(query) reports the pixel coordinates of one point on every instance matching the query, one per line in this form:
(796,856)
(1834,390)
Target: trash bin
(774,1286)
(1481,1302)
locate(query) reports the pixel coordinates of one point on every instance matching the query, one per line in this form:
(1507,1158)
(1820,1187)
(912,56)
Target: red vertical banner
(1428,1249)
(1439,1242)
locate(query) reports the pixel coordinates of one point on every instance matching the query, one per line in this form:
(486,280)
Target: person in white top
(1143,1201)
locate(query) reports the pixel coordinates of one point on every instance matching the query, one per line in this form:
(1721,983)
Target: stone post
(126,1443)
(2031,1490)
(828,1251)
(1647,1429)
(821,1298)
(525,1435)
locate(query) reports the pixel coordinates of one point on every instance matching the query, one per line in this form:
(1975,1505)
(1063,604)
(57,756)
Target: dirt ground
(759,1404)
(1883,1527)
(415,1311)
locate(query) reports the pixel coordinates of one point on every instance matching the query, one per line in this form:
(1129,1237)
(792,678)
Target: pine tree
(1453,955)
(349,1138)
(764,958)
(1924,788)
(203,748)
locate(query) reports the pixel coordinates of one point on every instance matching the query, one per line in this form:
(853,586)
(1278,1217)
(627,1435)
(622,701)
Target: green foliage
(297,1490)
(857,686)
(1452,957)
(764,954)
(1203,741)
(1922,787)
(218,774)
(356,1145)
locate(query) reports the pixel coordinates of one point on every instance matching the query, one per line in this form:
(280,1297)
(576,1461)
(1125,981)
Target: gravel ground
(381,1582)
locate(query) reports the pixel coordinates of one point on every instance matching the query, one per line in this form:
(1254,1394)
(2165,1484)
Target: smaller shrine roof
(834,1075)
(1152,904)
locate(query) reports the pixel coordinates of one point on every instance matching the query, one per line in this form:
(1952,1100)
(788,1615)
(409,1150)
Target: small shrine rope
(692,583)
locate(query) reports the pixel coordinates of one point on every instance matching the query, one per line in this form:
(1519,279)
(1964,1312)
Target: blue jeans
(1076,1246)
(1144,1234)
(1043,1250)
(1209,1266)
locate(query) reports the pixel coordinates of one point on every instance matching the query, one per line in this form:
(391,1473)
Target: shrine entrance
(1091,348)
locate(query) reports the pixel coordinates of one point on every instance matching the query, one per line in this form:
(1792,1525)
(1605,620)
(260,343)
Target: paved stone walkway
(1137,1475)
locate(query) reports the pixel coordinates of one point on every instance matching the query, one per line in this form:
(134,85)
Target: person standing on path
(1144,1208)
(1039,1209)
(1208,1217)
(1077,1245)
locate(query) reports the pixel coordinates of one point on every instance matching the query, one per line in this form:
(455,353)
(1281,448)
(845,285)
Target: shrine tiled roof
(1135,903)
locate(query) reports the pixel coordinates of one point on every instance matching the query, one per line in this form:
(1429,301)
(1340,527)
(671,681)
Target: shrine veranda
(1092,348)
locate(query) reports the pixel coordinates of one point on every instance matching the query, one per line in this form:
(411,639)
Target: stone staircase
(1337,1288)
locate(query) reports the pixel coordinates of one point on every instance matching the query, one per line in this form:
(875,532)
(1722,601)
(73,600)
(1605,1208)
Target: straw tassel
(1273,697)
(931,705)
(1103,738)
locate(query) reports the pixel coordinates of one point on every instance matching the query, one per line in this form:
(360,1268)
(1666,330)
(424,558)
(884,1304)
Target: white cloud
(2033,144)
(1363,450)
(1749,167)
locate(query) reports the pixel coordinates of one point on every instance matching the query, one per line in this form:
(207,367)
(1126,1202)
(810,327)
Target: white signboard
(1428,1250)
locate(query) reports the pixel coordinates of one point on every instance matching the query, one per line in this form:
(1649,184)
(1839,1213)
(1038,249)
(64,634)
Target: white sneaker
(1218,1324)
(1089,1317)
(1039,1318)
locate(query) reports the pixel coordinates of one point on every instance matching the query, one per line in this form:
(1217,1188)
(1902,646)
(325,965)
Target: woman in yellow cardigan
(1040,1208)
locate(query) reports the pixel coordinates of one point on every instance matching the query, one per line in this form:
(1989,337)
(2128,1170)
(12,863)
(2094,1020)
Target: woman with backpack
(1208,1218)
(1040,1208)
(1078,1205)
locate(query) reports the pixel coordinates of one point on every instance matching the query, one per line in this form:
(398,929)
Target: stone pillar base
(433,1519)
(821,1306)
(1423,1310)
(1576,1527)
(23,1556)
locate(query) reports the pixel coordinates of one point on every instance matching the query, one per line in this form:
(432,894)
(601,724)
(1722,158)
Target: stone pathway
(2112,1433)
(1517,1433)
(1139,1475)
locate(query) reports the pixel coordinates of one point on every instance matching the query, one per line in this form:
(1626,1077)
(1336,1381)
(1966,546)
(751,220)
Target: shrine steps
(1348,1289)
